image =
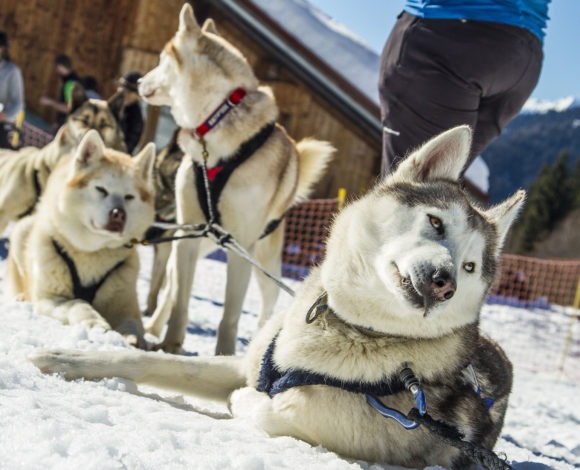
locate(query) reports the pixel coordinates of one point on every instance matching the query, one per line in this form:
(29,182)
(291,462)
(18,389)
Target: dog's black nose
(443,284)
(117,218)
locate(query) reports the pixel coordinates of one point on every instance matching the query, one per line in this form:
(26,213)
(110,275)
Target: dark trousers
(4,129)
(438,74)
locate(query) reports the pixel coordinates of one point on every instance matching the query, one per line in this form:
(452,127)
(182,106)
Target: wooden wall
(106,38)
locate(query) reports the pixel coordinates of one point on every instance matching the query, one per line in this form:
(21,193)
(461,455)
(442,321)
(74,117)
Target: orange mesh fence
(306,230)
(33,136)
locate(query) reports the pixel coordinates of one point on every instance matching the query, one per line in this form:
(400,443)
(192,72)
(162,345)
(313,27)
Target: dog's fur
(385,255)
(95,202)
(18,192)
(197,71)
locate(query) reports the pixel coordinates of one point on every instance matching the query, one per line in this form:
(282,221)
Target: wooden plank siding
(107,38)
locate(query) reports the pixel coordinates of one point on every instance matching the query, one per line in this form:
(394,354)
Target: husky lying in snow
(406,272)
(23,173)
(70,258)
(255,171)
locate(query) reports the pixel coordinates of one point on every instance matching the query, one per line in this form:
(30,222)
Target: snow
(535,105)
(478,174)
(335,44)
(111,424)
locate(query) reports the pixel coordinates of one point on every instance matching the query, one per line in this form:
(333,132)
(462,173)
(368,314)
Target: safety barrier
(32,136)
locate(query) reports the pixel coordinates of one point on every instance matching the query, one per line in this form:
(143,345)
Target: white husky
(70,258)
(406,272)
(255,171)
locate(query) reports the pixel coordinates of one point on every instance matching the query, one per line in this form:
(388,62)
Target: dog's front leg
(160,259)
(269,255)
(180,273)
(71,312)
(238,276)
(213,378)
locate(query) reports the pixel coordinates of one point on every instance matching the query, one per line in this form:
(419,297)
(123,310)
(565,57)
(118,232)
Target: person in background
(68,76)
(91,87)
(451,62)
(131,117)
(11,93)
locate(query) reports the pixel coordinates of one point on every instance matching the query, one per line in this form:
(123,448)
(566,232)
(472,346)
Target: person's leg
(4,142)
(421,94)
(498,109)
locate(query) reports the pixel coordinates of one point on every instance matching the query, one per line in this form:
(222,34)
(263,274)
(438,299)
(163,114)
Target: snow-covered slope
(48,423)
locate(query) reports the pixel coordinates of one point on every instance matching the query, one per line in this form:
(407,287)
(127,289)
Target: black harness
(273,381)
(220,174)
(37,190)
(86,293)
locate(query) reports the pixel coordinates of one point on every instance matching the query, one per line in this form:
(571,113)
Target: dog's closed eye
(102,190)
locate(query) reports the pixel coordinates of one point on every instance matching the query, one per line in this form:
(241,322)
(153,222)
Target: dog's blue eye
(102,190)
(437,224)
(469,267)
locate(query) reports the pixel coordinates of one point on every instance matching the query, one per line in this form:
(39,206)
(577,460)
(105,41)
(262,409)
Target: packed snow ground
(48,423)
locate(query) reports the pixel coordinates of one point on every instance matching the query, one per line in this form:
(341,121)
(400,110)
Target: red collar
(219,113)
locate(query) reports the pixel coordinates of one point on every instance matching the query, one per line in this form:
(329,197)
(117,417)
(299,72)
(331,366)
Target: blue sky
(372,20)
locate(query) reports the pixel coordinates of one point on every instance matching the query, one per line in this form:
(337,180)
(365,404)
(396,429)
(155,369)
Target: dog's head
(103,116)
(416,257)
(107,198)
(197,70)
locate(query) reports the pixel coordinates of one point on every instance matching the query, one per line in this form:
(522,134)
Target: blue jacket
(529,14)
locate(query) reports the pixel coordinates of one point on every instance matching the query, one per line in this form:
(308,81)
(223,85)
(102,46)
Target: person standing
(11,93)
(451,62)
(64,68)
(131,117)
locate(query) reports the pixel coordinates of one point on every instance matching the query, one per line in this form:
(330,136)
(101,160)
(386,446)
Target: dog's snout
(117,218)
(443,284)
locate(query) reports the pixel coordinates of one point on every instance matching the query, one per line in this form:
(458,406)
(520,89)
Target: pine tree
(550,198)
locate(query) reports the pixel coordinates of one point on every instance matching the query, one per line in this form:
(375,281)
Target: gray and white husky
(406,271)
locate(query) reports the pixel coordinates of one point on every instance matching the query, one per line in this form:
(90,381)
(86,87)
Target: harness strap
(86,293)
(37,191)
(226,167)
(273,381)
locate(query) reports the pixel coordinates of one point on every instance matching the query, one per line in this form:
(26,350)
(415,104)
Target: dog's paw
(172,348)
(246,402)
(57,361)
(96,323)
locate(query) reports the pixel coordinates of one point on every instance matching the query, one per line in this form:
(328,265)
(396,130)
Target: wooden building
(107,38)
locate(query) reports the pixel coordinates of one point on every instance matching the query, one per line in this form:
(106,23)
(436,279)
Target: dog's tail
(314,155)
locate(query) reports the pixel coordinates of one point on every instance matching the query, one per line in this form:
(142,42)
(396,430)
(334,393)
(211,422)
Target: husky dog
(254,169)
(406,272)
(70,258)
(23,173)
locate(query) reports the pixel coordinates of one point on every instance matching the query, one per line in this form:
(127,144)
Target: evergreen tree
(550,198)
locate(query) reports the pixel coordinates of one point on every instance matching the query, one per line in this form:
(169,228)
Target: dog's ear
(77,97)
(209,27)
(187,22)
(144,162)
(503,215)
(89,150)
(444,156)
(115,104)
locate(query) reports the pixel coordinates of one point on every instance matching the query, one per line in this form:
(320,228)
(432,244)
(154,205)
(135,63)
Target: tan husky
(406,271)
(23,173)
(70,258)
(255,170)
